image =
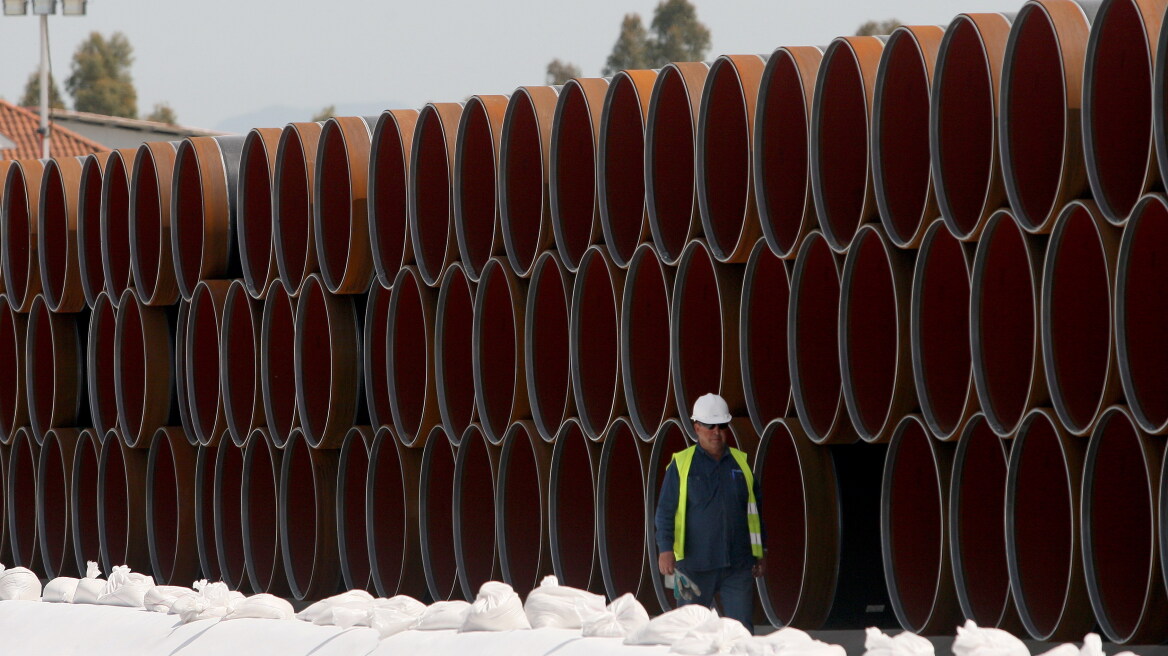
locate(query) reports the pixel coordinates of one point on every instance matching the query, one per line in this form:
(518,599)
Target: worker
(709,532)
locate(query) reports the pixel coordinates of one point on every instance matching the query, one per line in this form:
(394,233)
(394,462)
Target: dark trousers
(735,586)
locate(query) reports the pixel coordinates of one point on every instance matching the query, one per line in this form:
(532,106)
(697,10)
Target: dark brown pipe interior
(165,502)
(41,368)
(115,505)
(229,512)
(147,228)
(439,517)
(550,362)
(55,507)
(457,321)
(726,149)
(83,500)
(498,347)
(281,379)
(524,513)
(1080,316)
(1121,100)
(943,299)
(133,368)
(189,214)
(575,173)
(376,349)
(1037,113)
(316,356)
(411,369)
(88,218)
(476,185)
(622,532)
(699,356)
(783,151)
(299,514)
(1145,306)
(116,221)
(623,168)
(294,209)
(336,200)
(915,524)
(431,192)
(255,190)
(262,518)
(574,516)
(872,331)
(816,334)
(17,234)
(388,185)
(671,190)
(352,486)
(387,530)
(598,341)
(646,340)
(11,354)
(765,315)
(904,135)
(205,512)
(1007,338)
(22,503)
(476,517)
(780,477)
(102,347)
(203,367)
(54,236)
(523,179)
(843,143)
(242,380)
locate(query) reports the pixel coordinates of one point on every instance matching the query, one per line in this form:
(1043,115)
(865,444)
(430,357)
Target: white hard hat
(711,409)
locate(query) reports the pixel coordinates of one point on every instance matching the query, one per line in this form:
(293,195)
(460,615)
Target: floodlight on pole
(73,7)
(44,7)
(15,7)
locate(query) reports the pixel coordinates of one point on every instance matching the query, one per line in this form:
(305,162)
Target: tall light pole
(44,9)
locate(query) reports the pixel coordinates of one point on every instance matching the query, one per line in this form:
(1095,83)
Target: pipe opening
(277,340)
(672,187)
(228,512)
(622,534)
(1142,309)
(644,337)
(815,293)
(497,352)
(13,404)
(548,354)
(22,501)
(205,469)
(255,216)
(871,331)
(903,133)
(430,204)
(53,238)
(202,353)
(102,348)
(335,201)
(377,354)
(474,512)
(41,367)
(114,500)
(669,439)
(53,509)
(17,235)
(766,375)
(261,520)
(386,499)
(780,471)
(697,353)
(146,224)
(389,220)
(454,354)
(575,173)
(725,154)
(115,226)
(315,339)
(189,216)
(239,352)
(165,521)
(841,143)
(89,229)
(83,506)
(410,369)
(351,515)
(523,179)
(298,515)
(292,224)
(131,364)
(596,340)
(475,179)
(437,519)
(573,508)
(622,196)
(521,548)
(783,174)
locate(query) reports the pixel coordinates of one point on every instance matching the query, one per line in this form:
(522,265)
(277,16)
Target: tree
(325,114)
(631,49)
(677,35)
(878,28)
(163,113)
(32,93)
(100,81)
(559,72)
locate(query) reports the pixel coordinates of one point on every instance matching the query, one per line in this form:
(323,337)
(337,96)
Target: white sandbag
(785,642)
(404,604)
(90,586)
(210,601)
(878,643)
(321,611)
(160,598)
(19,584)
(391,621)
(442,615)
(60,590)
(974,640)
(668,628)
(713,636)
(496,608)
(623,616)
(556,606)
(125,588)
(262,607)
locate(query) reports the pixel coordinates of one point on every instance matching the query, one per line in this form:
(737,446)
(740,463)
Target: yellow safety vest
(683,459)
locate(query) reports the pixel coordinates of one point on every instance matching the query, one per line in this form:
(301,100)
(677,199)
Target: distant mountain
(277,116)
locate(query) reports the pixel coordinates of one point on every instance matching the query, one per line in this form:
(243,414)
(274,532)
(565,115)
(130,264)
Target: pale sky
(218,60)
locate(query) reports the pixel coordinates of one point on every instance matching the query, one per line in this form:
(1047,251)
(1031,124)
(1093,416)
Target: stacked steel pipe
(413,352)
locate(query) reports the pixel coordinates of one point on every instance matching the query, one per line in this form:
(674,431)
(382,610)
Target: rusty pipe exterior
(204,210)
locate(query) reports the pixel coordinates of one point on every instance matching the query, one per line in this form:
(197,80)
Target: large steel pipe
(57,235)
(762,337)
(1041,102)
(13,399)
(575,204)
(308,518)
(183,399)
(453,351)
(841,172)
(239,363)
(670,134)
(1141,306)
(340,221)
(375,354)
(83,485)
(813,343)
(477,228)
(1004,323)
(121,505)
(227,503)
(100,353)
(391,507)
(203,210)
(5,546)
(475,547)
(524,176)
(571,512)
(914,514)
(413,395)
(963,113)
(900,133)
(875,363)
(938,319)
(620,161)
(114,232)
(389,175)
(144,340)
(293,184)
(277,371)
(644,341)
(1118,146)
(170,507)
(352,527)
(54,357)
(594,341)
(1078,348)
(253,211)
(521,507)
(205,330)
(205,465)
(781,166)
(21,501)
(703,338)
(431,211)
(88,227)
(19,217)
(621,535)
(547,347)
(54,475)
(329,394)
(436,517)
(151,246)
(669,439)
(724,154)
(1120,525)
(260,516)
(497,350)
(1043,538)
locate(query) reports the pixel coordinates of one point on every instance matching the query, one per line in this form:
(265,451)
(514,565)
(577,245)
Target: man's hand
(665,563)
(759,568)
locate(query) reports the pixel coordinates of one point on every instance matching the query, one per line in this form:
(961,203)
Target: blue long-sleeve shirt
(716,534)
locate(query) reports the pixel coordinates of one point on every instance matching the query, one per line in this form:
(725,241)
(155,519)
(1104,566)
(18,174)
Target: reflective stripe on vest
(682,460)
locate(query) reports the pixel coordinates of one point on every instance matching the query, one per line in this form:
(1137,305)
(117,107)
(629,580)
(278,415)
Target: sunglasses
(713,426)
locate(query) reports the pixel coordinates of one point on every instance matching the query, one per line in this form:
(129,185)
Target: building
(19,138)
(118,132)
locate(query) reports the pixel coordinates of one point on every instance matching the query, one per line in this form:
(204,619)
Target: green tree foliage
(559,72)
(163,113)
(325,114)
(878,28)
(676,35)
(632,47)
(32,93)
(100,81)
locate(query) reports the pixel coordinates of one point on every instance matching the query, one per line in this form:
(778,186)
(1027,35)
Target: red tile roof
(20,126)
